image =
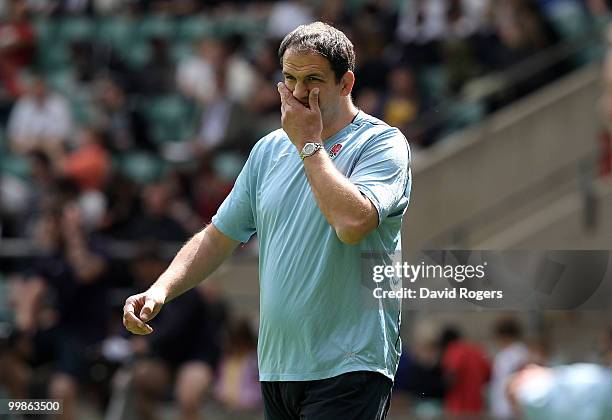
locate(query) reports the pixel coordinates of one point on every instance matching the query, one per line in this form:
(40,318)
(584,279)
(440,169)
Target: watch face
(309,148)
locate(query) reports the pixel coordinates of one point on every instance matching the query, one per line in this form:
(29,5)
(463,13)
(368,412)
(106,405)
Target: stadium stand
(498,101)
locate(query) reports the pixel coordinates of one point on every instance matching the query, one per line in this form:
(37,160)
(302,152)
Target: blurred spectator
(465,17)
(198,76)
(237,385)
(195,75)
(157,221)
(126,127)
(17,47)
(40,120)
(467,371)
(240,72)
(89,164)
(43,183)
(40,193)
(401,102)
(285,16)
(209,189)
(372,68)
(232,77)
(74,7)
(225,124)
(522,29)
(61,298)
(185,345)
(334,12)
(420,29)
(422,21)
(265,104)
(463,22)
(42,7)
(512,355)
(123,207)
(370,101)
(108,7)
(599,8)
(562,393)
(420,370)
(158,79)
(84,61)
(540,351)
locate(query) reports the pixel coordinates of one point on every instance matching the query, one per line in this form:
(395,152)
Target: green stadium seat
(239,24)
(115,32)
(464,113)
(60,79)
(228,165)
(434,82)
(156,27)
(181,51)
(352,5)
(137,54)
(194,28)
(83,111)
(5,311)
(46,31)
(53,57)
(14,165)
(170,118)
(76,29)
(141,167)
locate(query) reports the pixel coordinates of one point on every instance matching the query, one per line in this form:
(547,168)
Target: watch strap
(317,147)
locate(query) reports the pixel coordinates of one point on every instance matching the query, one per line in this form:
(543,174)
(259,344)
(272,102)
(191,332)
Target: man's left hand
(303,124)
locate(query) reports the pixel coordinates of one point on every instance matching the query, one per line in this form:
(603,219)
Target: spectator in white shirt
(196,76)
(39,120)
(512,356)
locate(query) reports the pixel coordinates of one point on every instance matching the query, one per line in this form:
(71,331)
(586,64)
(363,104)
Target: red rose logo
(335,150)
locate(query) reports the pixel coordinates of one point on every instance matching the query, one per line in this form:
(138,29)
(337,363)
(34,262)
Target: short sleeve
(235,217)
(382,173)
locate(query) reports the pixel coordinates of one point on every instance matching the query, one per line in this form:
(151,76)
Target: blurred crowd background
(123,125)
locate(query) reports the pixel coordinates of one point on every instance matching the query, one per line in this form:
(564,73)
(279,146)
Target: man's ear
(346,83)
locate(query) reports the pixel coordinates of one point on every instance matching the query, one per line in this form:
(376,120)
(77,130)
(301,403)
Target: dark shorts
(351,396)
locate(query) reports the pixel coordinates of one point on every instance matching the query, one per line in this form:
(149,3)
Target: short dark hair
(449,335)
(508,328)
(324,39)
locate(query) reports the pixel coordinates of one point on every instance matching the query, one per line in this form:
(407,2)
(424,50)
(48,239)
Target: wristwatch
(310,149)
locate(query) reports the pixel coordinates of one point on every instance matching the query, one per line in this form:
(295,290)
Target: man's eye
(314,79)
(289,78)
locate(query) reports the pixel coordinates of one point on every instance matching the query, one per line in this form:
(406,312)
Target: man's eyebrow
(314,74)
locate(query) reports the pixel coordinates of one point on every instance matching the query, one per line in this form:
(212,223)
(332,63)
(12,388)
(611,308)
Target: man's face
(304,71)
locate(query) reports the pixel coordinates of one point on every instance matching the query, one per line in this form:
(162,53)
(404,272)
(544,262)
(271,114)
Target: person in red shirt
(90,164)
(17,47)
(467,370)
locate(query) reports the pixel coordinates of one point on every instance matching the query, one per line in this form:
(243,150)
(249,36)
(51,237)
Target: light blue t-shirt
(318,316)
(580,391)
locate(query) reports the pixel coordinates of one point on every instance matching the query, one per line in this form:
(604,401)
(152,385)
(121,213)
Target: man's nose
(300,91)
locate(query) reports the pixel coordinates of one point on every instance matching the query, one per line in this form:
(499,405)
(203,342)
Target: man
(331,184)
(40,120)
(467,371)
(512,355)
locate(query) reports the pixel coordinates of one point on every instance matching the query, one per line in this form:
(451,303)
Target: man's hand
(140,308)
(302,123)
